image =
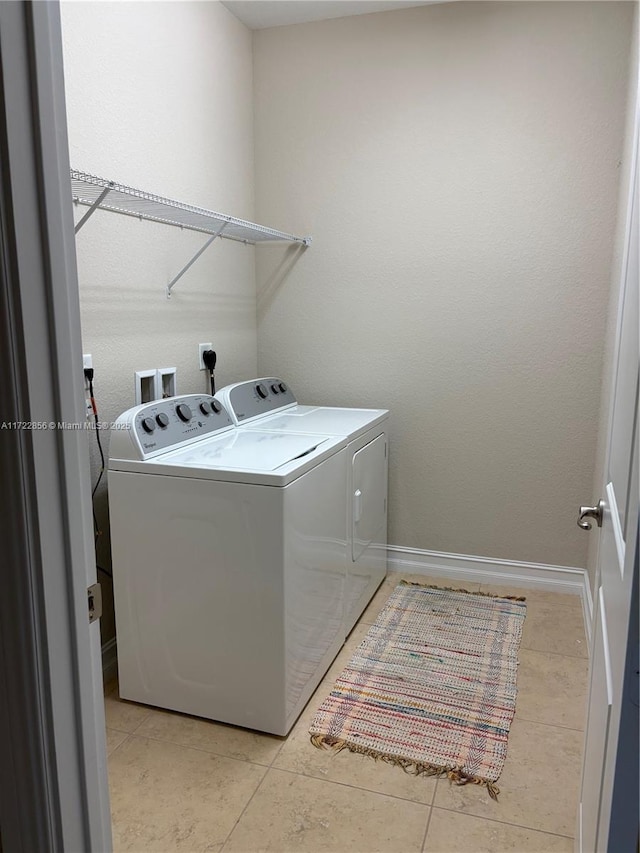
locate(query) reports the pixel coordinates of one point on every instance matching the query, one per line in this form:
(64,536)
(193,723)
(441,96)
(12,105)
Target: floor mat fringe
(416,768)
(467,591)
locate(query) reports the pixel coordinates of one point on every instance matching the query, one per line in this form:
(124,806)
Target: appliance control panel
(163,424)
(247,400)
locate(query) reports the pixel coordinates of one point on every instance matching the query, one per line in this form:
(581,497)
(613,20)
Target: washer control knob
(275,388)
(162,420)
(215,405)
(205,408)
(282,387)
(148,424)
(262,390)
(184,412)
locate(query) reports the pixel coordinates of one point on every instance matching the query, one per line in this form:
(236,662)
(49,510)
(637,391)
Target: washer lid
(241,456)
(246,450)
(321,419)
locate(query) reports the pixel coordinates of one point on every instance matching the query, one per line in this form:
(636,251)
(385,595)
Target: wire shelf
(100,194)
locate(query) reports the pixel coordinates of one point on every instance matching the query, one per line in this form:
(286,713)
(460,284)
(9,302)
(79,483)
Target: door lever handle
(594,512)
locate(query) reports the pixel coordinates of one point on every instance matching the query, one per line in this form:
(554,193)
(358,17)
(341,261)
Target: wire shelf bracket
(194,259)
(98,193)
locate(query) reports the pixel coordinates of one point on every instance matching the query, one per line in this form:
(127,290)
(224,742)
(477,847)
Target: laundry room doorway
(53,779)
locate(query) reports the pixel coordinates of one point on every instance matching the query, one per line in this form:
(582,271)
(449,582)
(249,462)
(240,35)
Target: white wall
(457,166)
(159,96)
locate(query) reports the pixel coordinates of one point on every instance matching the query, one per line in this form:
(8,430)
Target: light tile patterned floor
(179,783)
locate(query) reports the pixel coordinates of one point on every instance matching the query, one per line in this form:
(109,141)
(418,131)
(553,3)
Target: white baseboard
(109,660)
(486,570)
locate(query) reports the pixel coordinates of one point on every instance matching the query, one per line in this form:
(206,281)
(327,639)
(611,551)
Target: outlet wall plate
(146,386)
(203,348)
(166,382)
(156,384)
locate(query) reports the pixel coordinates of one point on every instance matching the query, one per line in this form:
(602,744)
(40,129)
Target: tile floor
(184,784)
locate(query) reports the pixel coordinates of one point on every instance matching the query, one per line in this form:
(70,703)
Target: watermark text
(63,425)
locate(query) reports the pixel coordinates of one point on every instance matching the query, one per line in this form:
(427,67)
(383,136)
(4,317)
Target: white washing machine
(268,403)
(229,562)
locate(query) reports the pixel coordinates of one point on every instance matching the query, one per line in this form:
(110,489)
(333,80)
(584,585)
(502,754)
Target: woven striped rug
(432,687)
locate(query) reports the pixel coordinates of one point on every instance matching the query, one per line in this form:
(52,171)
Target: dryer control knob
(184,412)
(205,408)
(148,425)
(162,420)
(282,387)
(275,388)
(262,391)
(215,405)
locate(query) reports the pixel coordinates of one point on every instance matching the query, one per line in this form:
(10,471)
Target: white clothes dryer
(229,562)
(268,403)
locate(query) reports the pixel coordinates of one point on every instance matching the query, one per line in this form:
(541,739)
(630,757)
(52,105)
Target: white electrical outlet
(87,364)
(203,348)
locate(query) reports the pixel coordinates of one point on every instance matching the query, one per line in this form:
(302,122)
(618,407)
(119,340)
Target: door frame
(53,781)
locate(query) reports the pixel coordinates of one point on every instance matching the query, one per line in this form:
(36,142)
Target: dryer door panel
(369,507)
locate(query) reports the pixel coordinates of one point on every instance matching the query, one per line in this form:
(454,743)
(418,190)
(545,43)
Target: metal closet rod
(99,193)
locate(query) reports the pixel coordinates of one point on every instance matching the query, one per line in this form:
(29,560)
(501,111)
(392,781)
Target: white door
(618,511)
